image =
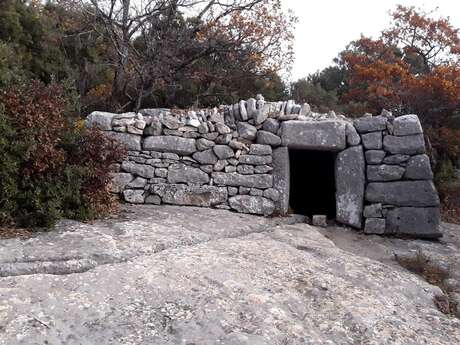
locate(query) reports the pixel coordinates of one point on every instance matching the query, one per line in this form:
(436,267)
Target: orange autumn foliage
(412,68)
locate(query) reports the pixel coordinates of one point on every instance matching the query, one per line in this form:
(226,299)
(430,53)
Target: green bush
(48,167)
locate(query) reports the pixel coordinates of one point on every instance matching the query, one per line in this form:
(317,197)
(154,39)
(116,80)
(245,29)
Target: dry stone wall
(237,157)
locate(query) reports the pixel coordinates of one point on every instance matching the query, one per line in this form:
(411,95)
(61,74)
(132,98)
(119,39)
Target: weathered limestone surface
(179,194)
(181,173)
(408,145)
(414,221)
(100,119)
(183,146)
(130,141)
(235,179)
(370,124)
(252,204)
(350,180)
(374,156)
(384,172)
(407,125)
(281,180)
(375,226)
(120,181)
(324,136)
(175,275)
(419,168)
(403,193)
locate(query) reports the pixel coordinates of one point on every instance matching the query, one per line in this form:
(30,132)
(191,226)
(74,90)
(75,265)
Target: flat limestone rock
(374,226)
(164,274)
(131,142)
(403,193)
(350,177)
(120,181)
(384,172)
(374,156)
(318,135)
(173,144)
(407,145)
(419,168)
(414,221)
(268,138)
(205,157)
(237,180)
(252,204)
(370,124)
(134,196)
(281,182)
(142,170)
(372,141)
(181,173)
(407,125)
(353,137)
(100,119)
(179,194)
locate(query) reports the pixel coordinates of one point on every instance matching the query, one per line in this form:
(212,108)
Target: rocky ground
(183,275)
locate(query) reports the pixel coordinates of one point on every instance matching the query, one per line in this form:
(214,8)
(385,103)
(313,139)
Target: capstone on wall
(236,157)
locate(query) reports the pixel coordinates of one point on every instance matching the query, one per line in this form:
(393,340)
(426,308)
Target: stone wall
(236,157)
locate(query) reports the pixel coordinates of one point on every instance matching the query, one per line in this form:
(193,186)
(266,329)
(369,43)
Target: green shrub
(50,168)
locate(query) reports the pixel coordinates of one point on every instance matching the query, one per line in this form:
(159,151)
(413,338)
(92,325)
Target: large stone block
(100,119)
(223,151)
(419,168)
(407,125)
(260,150)
(182,146)
(236,180)
(271,125)
(281,181)
(384,172)
(181,173)
(372,141)
(120,181)
(374,156)
(134,196)
(350,179)
(374,226)
(179,194)
(246,131)
(353,137)
(414,221)
(252,204)
(407,145)
(205,157)
(255,160)
(403,193)
(131,142)
(142,170)
(320,135)
(268,138)
(370,124)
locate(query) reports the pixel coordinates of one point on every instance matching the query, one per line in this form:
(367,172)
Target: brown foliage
(413,67)
(37,113)
(62,170)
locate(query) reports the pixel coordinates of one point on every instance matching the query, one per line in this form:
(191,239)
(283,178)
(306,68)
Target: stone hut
(273,158)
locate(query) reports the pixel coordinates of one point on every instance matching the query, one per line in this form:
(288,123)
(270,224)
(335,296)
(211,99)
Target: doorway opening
(312,183)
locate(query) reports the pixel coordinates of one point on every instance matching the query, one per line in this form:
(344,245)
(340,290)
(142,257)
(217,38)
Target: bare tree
(156,40)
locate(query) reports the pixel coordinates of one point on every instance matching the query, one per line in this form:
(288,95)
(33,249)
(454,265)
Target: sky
(325,27)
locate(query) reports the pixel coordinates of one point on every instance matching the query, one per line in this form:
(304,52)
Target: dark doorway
(312,184)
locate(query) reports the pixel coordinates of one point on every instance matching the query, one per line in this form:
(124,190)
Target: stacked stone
(212,158)
(236,157)
(400,194)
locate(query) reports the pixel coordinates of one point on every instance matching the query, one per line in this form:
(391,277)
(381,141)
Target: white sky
(325,27)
